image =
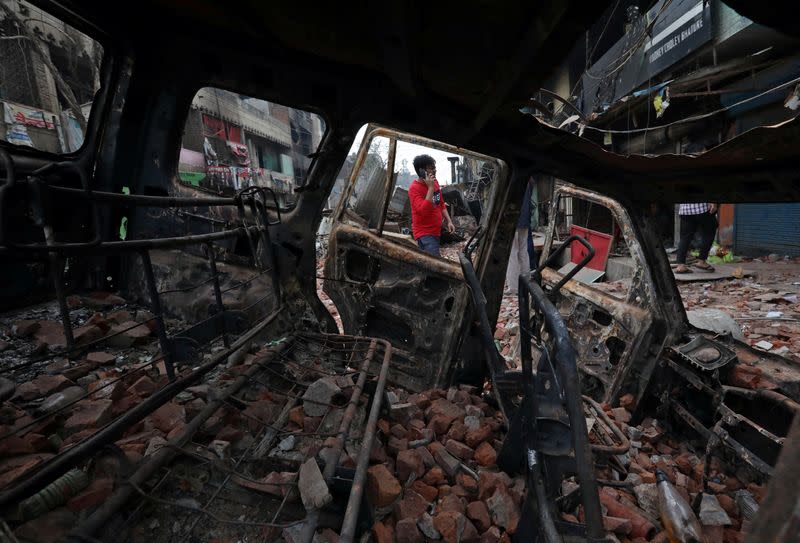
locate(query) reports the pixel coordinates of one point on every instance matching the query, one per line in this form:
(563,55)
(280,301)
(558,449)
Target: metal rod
(354,501)
(609,426)
(212,263)
(332,460)
(143,200)
(155,306)
(128,245)
(548,528)
(100,517)
(60,464)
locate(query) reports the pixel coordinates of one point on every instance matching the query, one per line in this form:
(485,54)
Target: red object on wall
(214,127)
(598,240)
(234,133)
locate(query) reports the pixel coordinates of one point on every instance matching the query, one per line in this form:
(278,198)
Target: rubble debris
(313,489)
(318,395)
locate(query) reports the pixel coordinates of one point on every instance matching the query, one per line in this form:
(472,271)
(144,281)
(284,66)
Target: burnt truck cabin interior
(456,78)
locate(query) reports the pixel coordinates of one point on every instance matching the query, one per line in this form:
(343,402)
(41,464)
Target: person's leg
(688,226)
(512,271)
(429,244)
(707,225)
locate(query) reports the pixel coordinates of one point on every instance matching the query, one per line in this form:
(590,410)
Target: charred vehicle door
(382,284)
(610,304)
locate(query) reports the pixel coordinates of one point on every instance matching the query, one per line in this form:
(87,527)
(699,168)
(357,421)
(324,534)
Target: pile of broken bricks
(724,498)
(434,473)
(434,477)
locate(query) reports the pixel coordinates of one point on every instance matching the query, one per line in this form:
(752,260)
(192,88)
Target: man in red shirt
(427,206)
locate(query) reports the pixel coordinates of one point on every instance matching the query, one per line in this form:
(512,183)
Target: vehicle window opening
(232,141)
(379,199)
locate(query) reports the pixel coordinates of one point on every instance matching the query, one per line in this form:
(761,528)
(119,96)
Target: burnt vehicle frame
(136,139)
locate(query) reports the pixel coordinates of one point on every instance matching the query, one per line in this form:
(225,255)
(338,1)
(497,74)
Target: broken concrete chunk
(472,422)
(221,448)
(313,489)
(711,513)
(318,396)
(287,444)
(154,444)
(763,345)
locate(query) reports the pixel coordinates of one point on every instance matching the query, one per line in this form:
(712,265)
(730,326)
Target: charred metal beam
(566,368)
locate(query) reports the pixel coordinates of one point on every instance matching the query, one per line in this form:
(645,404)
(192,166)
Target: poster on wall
(18,114)
(18,135)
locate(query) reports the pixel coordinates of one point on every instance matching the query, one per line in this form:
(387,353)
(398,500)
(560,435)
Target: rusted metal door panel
(384,285)
(397,293)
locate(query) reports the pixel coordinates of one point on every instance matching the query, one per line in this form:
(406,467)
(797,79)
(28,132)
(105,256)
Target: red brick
(107,388)
(144,386)
(468,483)
(396,445)
(489,481)
(169,415)
(296,415)
(455,527)
(30,443)
(505,512)
(89,414)
(435,476)
(100,358)
(411,506)
(485,455)
(426,491)
(459,450)
(408,463)
(382,533)
(382,487)
(457,431)
(440,424)
(398,431)
(14,468)
(480,435)
(479,514)
(96,493)
(407,532)
(492,535)
(451,502)
(617,525)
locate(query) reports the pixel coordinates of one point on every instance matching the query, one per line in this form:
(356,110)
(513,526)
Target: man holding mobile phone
(427,206)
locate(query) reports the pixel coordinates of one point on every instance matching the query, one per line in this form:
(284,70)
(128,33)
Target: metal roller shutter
(767,228)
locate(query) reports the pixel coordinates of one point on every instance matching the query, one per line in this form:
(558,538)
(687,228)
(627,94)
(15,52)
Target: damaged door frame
(637,313)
